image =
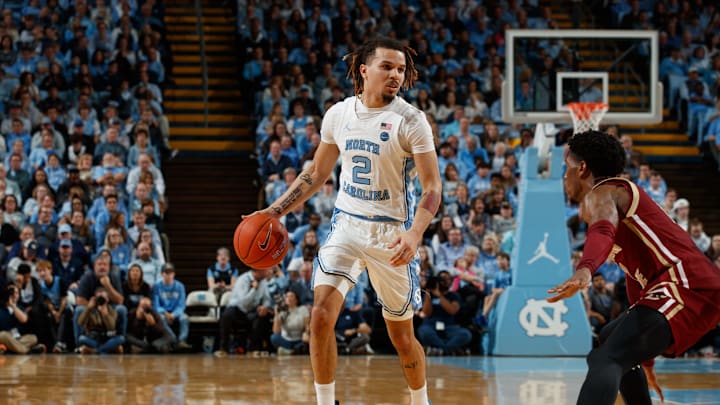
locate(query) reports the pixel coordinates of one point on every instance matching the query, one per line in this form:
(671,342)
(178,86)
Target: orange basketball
(261,241)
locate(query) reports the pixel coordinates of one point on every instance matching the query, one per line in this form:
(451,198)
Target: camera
(101,300)
(147,310)
(280,302)
(431,283)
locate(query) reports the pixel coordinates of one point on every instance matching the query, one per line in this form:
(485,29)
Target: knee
(465,335)
(321,320)
(404,342)
(599,358)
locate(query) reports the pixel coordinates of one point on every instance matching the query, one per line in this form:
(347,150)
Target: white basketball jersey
(376,148)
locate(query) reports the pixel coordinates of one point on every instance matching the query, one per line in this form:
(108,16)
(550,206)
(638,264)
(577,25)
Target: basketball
(261,241)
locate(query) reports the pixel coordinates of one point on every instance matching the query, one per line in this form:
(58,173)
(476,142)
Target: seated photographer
(146,331)
(247,314)
(291,325)
(57,315)
(97,323)
(11,318)
(352,333)
(439,332)
(101,276)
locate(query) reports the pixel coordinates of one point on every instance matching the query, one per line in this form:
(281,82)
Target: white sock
(325,393)
(419,396)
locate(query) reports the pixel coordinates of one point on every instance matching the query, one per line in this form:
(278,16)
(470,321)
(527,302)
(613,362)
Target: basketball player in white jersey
(383,142)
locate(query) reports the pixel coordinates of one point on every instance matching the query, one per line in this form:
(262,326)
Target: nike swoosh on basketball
(263,245)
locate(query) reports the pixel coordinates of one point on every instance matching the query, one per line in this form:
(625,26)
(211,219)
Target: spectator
(145,165)
(146,330)
(17,172)
(500,282)
(119,249)
(275,163)
(324,201)
(295,218)
(110,172)
(352,332)
(109,282)
(247,314)
(222,275)
(505,221)
(73,181)
(67,264)
(713,252)
(303,284)
(151,267)
(698,235)
(9,224)
(112,146)
(169,302)
(28,256)
(633,157)
(156,249)
(291,325)
(140,146)
(438,332)
(11,319)
(81,230)
(309,246)
(275,189)
(451,250)
(19,133)
(600,303)
(56,310)
(40,153)
(98,325)
(135,288)
(682,212)
(57,141)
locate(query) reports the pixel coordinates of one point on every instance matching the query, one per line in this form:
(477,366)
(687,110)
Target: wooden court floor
(203,379)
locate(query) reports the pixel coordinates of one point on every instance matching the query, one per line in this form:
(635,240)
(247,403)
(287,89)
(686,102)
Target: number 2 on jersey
(362,167)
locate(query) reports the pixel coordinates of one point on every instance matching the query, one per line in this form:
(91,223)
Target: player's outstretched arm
(599,210)
(307,183)
(406,245)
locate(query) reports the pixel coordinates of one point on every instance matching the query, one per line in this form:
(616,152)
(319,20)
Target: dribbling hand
(579,280)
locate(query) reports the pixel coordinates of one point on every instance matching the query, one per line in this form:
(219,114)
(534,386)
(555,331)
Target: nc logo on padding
(536,320)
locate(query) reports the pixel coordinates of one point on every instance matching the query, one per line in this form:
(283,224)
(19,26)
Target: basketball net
(586,116)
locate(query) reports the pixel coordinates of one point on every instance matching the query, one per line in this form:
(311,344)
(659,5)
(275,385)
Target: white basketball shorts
(355,244)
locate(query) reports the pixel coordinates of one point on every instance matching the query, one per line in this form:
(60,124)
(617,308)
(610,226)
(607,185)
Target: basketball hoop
(586,116)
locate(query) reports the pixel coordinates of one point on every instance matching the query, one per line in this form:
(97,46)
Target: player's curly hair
(603,153)
(364,52)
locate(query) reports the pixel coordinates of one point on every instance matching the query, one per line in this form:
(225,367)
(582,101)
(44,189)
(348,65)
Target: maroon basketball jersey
(665,270)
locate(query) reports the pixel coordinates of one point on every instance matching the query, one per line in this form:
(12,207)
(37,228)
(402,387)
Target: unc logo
(384,136)
(535,311)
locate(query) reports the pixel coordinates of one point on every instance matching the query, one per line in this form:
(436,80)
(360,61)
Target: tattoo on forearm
(307,178)
(430,200)
(290,200)
(412,364)
(277,210)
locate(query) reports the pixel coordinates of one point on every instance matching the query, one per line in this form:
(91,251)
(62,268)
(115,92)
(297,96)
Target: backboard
(547,69)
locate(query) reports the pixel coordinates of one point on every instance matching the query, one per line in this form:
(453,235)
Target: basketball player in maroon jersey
(674,290)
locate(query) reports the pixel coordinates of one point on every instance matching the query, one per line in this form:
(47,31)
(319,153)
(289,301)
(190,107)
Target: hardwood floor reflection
(201,379)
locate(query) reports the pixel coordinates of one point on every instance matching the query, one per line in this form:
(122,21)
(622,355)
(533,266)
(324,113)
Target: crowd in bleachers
(293,53)
(82,254)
